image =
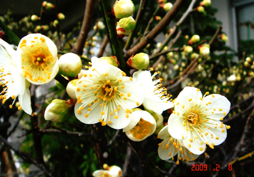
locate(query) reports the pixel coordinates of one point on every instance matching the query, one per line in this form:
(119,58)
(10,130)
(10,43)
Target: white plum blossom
(170,147)
(197,119)
(105,94)
(142,125)
(156,97)
(13,83)
(38,58)
(113,171)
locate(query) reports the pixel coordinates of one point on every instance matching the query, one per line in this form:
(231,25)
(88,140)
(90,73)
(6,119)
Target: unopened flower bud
(201,9)
(125,26)
(99,25)
(167,6)
(69,64)
(205,50)
(35,18)
(60,16)
(56,110)
(55,23)
(123,8)
(248,59)
(232,78)
(37,28)
(45,27)
(162,1)
(71,88)
(194,56)
(141,126)
(112,60)
(246,64)
(224,37)
(188,49)
(157,18)
(195,38)
(50,6)
(206,2)
(44,3)
(139,61)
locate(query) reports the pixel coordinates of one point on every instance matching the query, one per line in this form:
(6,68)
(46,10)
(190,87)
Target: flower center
(40,59)
(142,129)
(193,118)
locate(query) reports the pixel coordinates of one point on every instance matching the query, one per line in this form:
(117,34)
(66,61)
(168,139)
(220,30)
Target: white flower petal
(217,106)
(152,102)
(135,117)
(143,77)
(175,127)
(164,134)
(25,102)
(121,121)
(166,153)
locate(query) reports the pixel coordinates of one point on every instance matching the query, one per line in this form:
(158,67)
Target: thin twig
(113,139)
(86,25)
(215,35)
(157,29)
(28,158)
(66,132)
(127,160)
(103,46)
(16,125)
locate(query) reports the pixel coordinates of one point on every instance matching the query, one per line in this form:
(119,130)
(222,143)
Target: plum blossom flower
(105,94)
(13,83)
(197,120)
(170,147)
(156,97)
(38,58)
(142,125)
(113,171)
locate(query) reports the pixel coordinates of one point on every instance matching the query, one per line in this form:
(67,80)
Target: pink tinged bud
(55,23)
(37,28)
(61,16)
(45,27)
(50,6)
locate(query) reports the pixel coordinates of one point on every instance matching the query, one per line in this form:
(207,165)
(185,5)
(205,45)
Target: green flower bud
(125,26)
(55,23)
(201,9)
(139,61)
(194,56)
(123,8)
(56,110)
(70,65)
(50,6)
(167,6)
(224,37)
(110,60)
(71,88)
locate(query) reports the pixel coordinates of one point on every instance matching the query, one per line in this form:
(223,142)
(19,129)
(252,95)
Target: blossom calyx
(123,8)
(56,110)
(125,26)
(139,61)
(70,65)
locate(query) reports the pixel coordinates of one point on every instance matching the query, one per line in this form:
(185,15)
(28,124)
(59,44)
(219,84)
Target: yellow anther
(86,115)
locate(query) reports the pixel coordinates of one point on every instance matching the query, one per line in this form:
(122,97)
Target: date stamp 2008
(204,167)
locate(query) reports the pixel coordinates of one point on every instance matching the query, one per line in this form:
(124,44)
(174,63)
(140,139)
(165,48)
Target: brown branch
(215,35)
(157,29)
(103,46)
(86,25)
(57,131)
(171,44)
(127,160)
(27,158)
